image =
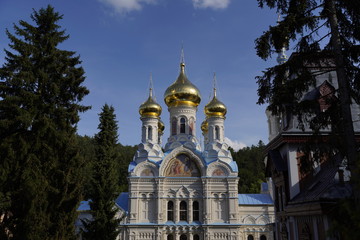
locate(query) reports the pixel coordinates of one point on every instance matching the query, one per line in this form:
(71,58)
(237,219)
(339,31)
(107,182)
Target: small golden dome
(215,107)
(182,92)
(204,126)
(161,126)
(150,108)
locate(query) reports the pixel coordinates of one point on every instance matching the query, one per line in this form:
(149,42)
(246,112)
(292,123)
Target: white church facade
(184,192)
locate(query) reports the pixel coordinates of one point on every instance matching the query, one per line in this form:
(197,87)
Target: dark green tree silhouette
(104,224)
(327,38)
(250,161)
(327,35)
(40,168)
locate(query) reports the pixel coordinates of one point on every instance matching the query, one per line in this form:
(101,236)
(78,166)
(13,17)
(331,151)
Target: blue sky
(122,41)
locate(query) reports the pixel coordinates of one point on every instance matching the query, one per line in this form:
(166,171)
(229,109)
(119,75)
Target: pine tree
(104,224)
(40,168)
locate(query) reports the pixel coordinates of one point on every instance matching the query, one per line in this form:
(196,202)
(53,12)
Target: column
(190,210)
(159,201)
(176,211)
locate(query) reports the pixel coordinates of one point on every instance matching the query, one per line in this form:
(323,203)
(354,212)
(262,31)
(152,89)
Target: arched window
(183,237)
(150,133)
(196,237)
(217,133)
(182,125)
(183,211)
(250,237)
(262,237)
(173,126)
(170,211)
(196,211)
(170,237)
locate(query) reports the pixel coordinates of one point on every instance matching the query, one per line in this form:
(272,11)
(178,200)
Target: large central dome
(182,92)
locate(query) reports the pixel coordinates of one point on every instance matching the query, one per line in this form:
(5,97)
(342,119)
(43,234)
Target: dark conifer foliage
(327,37)
(250,161)
(40,169)
(105,187)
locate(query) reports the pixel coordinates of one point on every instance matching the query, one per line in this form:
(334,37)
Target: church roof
(255,199)
(122,201)
(84,206)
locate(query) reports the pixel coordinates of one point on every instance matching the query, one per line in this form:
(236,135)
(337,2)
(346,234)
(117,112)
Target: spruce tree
(104,224)
(40,167)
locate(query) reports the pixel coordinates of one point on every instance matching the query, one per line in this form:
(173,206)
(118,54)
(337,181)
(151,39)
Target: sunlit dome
(161,127)
(205,126)
(182,92)
(215,107)
(150,108)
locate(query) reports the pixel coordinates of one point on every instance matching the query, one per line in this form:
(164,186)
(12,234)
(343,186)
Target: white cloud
(236,145)
(214,4)
(125,6)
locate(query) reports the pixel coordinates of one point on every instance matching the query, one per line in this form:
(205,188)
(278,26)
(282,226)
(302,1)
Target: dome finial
(215,108)
(182,92)
(150,108)
(214,84)
(151,86)
(182,59)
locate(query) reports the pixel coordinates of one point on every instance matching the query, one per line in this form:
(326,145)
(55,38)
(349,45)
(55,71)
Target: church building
(184,192)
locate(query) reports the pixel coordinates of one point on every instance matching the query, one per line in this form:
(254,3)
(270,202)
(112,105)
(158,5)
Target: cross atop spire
(182,59)
(151,87)
(214,84)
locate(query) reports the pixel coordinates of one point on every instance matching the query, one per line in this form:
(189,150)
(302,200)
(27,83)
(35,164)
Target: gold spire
(215,107)
(182,92)
(150,108)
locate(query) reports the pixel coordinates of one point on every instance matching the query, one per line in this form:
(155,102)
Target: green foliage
(104,225)
(86,145)
(345,216)
(250,161)
(126,156)
(40,170)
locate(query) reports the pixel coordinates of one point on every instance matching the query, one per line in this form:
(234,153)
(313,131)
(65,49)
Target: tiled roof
(122,201)
(255,199)
(324,185)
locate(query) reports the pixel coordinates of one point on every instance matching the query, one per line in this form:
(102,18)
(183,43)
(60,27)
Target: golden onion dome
(161,126)
(150,108)
(215,107)
(182,92)
(205,126)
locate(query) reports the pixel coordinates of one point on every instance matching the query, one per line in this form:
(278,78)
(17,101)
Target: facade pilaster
(177,210)
(190,211)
